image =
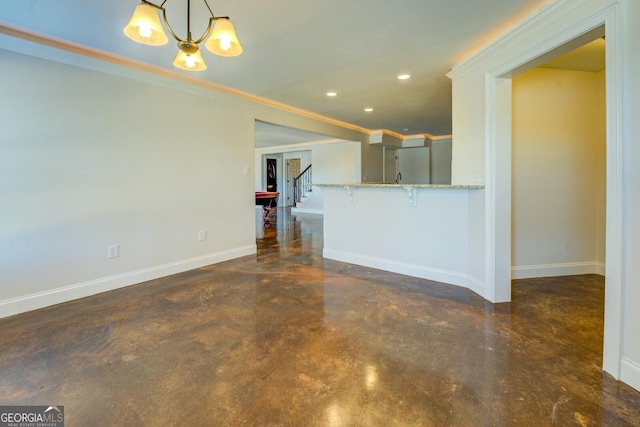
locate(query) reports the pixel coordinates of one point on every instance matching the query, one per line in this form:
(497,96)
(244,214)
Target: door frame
(498,173)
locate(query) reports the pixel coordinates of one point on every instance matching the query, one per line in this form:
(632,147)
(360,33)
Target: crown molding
(172,78)
(535,22)
(109,58)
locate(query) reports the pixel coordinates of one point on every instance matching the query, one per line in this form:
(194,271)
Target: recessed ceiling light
(332,94)
(368,109)
(404,76)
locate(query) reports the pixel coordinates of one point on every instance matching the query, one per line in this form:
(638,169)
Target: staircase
(302,188)
(303,199)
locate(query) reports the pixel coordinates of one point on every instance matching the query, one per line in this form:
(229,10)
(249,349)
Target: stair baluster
(302,185)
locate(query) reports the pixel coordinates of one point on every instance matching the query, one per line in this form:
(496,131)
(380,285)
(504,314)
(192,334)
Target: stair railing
(301,185)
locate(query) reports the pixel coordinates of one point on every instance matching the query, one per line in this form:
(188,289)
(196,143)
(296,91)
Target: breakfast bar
(420,230)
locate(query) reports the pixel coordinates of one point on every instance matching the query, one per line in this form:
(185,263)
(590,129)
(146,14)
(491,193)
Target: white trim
(38,300)
(600,268)
(413,270)
(630,373)
(553,270)
(298,145)
(498,189)
(57,50)
(614,307)
(307,211)
(490,188)
(530,24)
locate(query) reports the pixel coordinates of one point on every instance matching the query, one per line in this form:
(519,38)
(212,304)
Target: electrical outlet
(113,251)
(202,235)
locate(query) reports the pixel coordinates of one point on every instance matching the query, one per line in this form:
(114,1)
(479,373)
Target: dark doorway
(272,175)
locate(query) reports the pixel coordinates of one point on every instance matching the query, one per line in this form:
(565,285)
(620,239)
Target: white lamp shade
(145,27)
(189,61)
(223,40)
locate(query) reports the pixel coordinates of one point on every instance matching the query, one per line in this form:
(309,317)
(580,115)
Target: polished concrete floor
(286,338)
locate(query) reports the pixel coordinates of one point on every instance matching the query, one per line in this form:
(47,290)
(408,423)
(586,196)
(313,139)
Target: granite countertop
(383,185)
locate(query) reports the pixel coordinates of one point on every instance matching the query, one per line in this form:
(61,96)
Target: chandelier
(145,27)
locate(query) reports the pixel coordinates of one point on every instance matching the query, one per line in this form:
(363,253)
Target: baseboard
(553,270)
(38,300)
(413,270)
(630,373)
(309,211)
(476,285)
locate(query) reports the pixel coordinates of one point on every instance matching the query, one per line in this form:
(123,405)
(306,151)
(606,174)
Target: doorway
(558,166)
(272,174)
(293,171)
(498,171)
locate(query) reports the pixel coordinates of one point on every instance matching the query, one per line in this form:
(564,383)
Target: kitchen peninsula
(420,230)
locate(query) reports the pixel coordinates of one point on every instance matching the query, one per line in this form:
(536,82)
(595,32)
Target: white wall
(94,154)
(558,191)
(336,163)
(429,240)
(481,129)
(90,160)
(332,162)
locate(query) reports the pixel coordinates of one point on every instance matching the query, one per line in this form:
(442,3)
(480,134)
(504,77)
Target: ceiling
(295,51)
(588,57)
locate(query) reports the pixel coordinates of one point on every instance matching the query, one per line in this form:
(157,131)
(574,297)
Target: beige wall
(558,181)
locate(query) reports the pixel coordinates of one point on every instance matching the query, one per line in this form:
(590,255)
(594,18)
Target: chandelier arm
(213,17)
(210,11)
(166,22)
(207,31)
(153,4)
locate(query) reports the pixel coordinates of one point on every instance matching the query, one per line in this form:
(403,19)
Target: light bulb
(145,30)
(225,42)
(190,61)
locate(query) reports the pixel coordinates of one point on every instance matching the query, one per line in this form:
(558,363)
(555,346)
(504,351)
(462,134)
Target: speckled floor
(286,338)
